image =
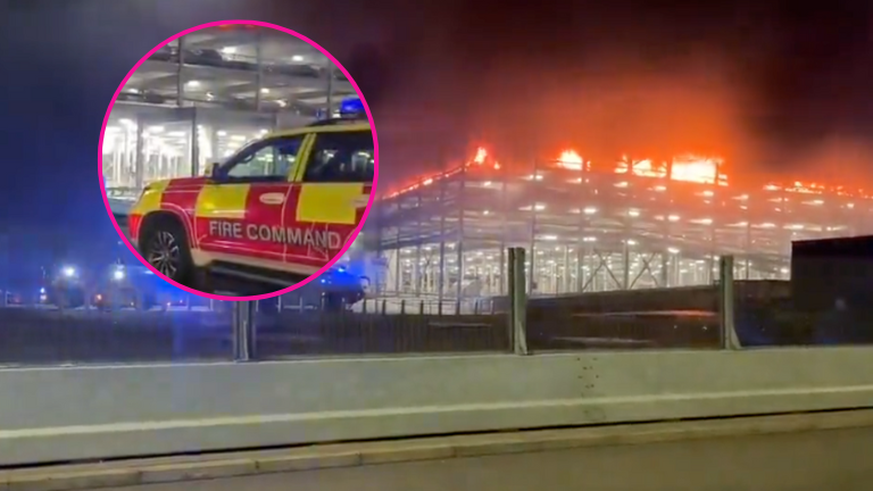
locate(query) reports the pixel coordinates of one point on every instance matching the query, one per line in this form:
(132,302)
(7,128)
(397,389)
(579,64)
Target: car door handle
(272,198)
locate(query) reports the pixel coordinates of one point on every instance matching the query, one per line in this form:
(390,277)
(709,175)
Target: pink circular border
(355,233)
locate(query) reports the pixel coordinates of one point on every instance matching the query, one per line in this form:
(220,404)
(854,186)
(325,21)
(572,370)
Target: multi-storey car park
(591,226)
(204,95)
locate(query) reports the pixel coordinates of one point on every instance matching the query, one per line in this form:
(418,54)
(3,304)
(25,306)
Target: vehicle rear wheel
(165,247)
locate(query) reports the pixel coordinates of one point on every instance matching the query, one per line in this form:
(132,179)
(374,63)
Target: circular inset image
(238,160)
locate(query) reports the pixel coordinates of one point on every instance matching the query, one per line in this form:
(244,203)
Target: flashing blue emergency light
(352,107)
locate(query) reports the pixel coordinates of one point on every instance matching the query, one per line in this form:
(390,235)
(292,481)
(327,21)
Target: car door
(240,211)
(335,184)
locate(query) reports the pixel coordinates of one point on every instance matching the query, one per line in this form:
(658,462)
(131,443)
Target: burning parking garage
(595,226)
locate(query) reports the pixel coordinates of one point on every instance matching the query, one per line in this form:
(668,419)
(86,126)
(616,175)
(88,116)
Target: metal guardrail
(411,305)
(715,317)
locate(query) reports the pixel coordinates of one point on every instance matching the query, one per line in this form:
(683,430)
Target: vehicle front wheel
(165,247)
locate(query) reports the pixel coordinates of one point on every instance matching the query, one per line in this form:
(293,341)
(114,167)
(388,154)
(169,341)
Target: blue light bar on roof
(352,107)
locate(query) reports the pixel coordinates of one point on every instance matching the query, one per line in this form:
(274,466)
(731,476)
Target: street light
(68,272)
(118,274)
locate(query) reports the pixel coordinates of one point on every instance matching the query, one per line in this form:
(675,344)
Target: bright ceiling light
(228,50)
(193,84)
(297,58)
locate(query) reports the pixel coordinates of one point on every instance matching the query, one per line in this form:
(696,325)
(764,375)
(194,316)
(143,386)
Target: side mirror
(213,170)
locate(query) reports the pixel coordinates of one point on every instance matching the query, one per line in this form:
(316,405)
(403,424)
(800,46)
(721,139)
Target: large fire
(481,155)
(569,159)
(685,168)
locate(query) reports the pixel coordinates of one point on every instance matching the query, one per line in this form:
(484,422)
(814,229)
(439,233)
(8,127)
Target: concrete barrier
(62,414)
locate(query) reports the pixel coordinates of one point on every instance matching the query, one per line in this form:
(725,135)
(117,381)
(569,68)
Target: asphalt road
(826,460)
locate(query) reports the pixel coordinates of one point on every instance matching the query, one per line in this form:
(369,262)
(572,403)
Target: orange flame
(569,159)
(692,168)
(689,168)
(481,155)
(643,168)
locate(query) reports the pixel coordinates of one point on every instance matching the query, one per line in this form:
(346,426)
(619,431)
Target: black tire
(164,245)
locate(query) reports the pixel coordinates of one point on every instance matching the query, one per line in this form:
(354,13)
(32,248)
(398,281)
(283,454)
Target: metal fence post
(729,338)
(517,301)
(244,331)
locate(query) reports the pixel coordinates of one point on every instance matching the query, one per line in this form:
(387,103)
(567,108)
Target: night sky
(774,87)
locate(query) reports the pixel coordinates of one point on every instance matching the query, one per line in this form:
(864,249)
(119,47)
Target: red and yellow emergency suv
(277,211)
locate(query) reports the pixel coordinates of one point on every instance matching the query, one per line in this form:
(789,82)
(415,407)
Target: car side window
(342,157)
(267,161)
